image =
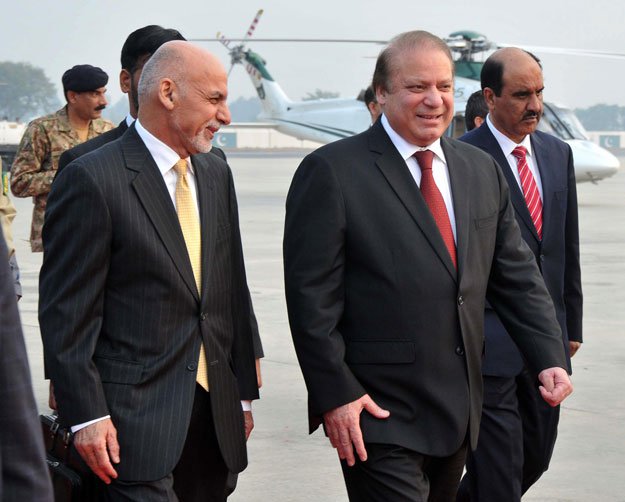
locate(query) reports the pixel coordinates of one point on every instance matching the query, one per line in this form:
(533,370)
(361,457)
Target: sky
(58,35)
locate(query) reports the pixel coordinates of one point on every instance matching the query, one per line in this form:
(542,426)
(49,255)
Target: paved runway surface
(288,465)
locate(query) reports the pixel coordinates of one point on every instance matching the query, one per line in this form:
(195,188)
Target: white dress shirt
(440,172)
(507,145)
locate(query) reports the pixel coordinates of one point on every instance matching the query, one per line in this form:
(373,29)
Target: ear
(168,93)
(71,96)
(125,81)
(380,95)
(489,97)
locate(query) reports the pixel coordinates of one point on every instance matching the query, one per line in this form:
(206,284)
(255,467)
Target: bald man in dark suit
(133,303)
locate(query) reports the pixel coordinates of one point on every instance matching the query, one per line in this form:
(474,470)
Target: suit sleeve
(517,292)
(71,292)
(573,298)
(23,471)
(314,264)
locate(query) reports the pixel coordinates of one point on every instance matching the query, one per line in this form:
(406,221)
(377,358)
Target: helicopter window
(561,122)
(570,121)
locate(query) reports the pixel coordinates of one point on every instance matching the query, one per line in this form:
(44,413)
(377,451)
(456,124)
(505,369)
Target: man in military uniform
(46,138)
(7,213)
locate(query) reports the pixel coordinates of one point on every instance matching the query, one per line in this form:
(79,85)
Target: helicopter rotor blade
(250,30)
(566,51)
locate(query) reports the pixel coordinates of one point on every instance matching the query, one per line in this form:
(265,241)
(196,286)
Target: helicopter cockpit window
(561,122)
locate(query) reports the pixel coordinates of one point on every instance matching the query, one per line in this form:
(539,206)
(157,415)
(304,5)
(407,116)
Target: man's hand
(248,420)
(574,347)
(98,447)
(51,398)
(556,385)
(259,377)
(342,425)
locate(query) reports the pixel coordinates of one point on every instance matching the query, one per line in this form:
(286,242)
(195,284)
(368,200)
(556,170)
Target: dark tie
(530,189)
(435,201)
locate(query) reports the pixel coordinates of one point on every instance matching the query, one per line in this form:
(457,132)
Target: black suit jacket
(120,315)
(557,255)
(101,140)
(23,470)
(375,304)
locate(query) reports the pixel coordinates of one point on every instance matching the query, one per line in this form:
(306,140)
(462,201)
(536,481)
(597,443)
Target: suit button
(192,366)
(460,300)
(542,257)
(203,316)
(460,351)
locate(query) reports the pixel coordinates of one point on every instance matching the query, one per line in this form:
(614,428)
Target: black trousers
(199,476)
(397,474)
(517,435)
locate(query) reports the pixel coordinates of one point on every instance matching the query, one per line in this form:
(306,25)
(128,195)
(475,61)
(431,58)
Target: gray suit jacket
(23,470)
(375,304)
(120,316)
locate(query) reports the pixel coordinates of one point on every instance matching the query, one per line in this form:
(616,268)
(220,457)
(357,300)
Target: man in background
(7,214)
(518,430)
(372,104)
(46,138)
(475,111)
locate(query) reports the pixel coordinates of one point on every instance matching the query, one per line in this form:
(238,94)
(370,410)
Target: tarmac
(288,465)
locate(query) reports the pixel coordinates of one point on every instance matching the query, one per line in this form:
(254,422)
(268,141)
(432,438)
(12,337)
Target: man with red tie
(518,430)
(393,240)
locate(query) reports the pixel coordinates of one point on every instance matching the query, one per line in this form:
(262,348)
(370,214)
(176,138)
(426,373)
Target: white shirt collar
(406,149)
(505,143)
(162,154)
(129,120)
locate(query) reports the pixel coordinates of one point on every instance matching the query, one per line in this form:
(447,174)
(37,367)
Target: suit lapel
(154,197)
(207,209)
(490,144)
(542,156)
(458,172)
(394,169)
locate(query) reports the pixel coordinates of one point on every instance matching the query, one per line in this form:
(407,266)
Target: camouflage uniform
(7,213)
(37,158)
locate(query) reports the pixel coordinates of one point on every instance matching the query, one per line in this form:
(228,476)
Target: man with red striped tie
(518,429)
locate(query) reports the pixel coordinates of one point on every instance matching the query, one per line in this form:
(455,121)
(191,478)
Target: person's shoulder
(465,148)
(102,125)
(550,141)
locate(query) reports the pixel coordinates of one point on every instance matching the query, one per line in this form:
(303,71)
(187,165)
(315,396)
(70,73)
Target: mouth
(428,117)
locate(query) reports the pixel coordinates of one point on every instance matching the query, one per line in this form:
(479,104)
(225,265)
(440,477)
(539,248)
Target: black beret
(84,77)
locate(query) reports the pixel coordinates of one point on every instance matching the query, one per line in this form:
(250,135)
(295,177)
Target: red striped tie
(434,200)
(530,189)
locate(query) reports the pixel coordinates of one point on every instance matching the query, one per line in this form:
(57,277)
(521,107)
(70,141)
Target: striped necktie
(530,189)
(434,200)
(190,225)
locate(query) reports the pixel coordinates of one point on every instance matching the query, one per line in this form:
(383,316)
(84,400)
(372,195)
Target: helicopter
(327,120)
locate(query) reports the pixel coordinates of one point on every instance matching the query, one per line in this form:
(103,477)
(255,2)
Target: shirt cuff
(246,405)
(76,428)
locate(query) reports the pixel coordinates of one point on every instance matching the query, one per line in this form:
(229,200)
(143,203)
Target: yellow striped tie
(190,225)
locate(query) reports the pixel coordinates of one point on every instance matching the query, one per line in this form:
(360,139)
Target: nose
(433,97)
(103,100)
(223,114)
(536,103)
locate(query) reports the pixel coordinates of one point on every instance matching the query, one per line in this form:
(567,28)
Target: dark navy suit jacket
(557,254)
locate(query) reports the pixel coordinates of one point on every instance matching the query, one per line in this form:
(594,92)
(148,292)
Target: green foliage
(602,117)
(25,92)
(320,94)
